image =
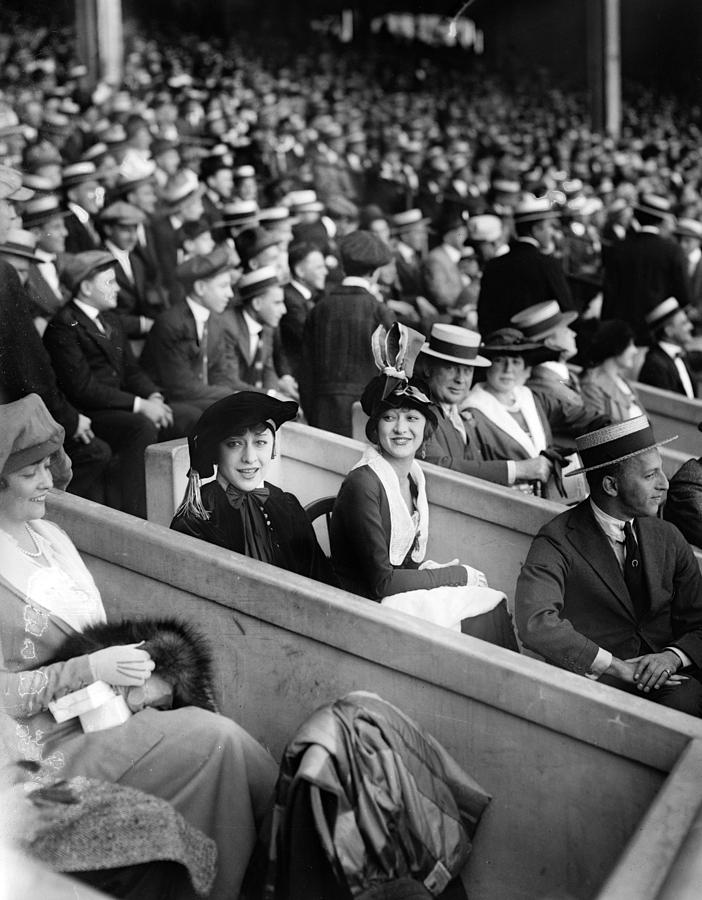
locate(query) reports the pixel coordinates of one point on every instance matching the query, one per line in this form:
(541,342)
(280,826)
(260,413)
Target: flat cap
(339,207)
(81,266)
(121,213)
(202,268)
(362,249)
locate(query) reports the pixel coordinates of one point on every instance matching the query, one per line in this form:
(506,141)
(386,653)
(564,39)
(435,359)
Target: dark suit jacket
(683,506)
(660,371)
(93,370)
(517,280)
(571,596)
(43,301)
(236,337)
(445,448)
(337,358)
(131,300)
(173,356)
(359,536)
(156,291)
(640,272)
(292,326)
(410,278)
(79,239)
(165,245)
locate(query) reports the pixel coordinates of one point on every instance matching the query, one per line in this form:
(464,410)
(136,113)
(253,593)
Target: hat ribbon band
(448,349)
(611,451)
(543,325)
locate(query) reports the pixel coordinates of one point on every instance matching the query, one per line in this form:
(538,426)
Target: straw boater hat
(19,242)
(615,443)
(657,316)
(539,320)
(455,344)
(232,414)
(41,209)
(652,205)
(11,187)
(404,221)
(534,209)
(688,228)
(255,283)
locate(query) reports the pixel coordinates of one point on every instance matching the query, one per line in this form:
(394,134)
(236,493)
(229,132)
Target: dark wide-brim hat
(384,392)
(512,342)
(615,443)
(231,415)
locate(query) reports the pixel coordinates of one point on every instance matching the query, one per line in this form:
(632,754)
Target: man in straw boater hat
(527,274)
(664,366)
(610,591)
(644,268)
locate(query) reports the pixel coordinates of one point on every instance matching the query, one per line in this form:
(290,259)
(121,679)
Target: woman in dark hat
(239,510)
(514,421)
(604,386)
(215,774)
(379,526)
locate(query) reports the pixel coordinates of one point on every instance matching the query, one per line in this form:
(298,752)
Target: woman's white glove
(475,577)
(430,564)
(125,664)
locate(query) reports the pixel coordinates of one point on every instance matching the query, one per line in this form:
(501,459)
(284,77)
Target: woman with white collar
(513,420)
(380,523)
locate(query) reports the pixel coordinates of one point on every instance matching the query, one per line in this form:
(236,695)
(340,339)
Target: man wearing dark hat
(644,269)
(118,224)
(186,350)
(216,173)
(337,361)
(664,366)
(610,591)
(411,243)
(528,274)
(442,276)
(97,371)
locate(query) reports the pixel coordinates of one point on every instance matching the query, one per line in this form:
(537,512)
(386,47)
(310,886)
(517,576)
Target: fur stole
(182,654)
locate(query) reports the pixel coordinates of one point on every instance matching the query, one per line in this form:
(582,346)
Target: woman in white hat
(447,363)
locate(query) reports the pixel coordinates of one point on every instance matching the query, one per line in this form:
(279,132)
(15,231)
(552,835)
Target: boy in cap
(337,361)
(96,369)
(186,350)
(610,591)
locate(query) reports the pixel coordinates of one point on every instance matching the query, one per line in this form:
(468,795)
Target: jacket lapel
(103,342)
(590,542)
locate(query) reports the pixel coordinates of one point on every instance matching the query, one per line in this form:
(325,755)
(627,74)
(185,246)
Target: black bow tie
(236,497)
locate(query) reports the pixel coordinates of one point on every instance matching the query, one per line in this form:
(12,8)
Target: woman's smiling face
(401,432)
(24,497)
(244,458)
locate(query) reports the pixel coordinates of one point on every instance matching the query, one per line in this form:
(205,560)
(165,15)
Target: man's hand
(656,669)
(156,410)
(288,386)
(537,469)
(84,431)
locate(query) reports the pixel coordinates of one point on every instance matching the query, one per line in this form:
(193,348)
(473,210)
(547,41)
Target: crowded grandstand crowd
(243,233)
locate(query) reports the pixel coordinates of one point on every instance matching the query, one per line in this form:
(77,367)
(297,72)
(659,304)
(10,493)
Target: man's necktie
(203,353)
(103,326)
(633,572)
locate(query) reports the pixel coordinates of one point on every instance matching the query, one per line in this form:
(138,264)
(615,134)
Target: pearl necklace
(37,551)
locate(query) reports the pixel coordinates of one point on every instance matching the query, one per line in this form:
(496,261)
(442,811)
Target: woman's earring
(423,452)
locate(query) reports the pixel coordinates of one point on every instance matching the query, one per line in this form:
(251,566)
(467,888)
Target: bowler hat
(536,321)
(202,268)
(615,443)
(252,241)
(449,220)
(362,250)
(81,266)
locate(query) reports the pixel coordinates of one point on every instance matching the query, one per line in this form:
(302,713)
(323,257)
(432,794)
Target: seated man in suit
(118,224)
(44,217)
(664,366)
(683,506)
(308,271)
(250,331)
(99,375)
(186,350)
(610,591)
(442,277)
(84,198)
